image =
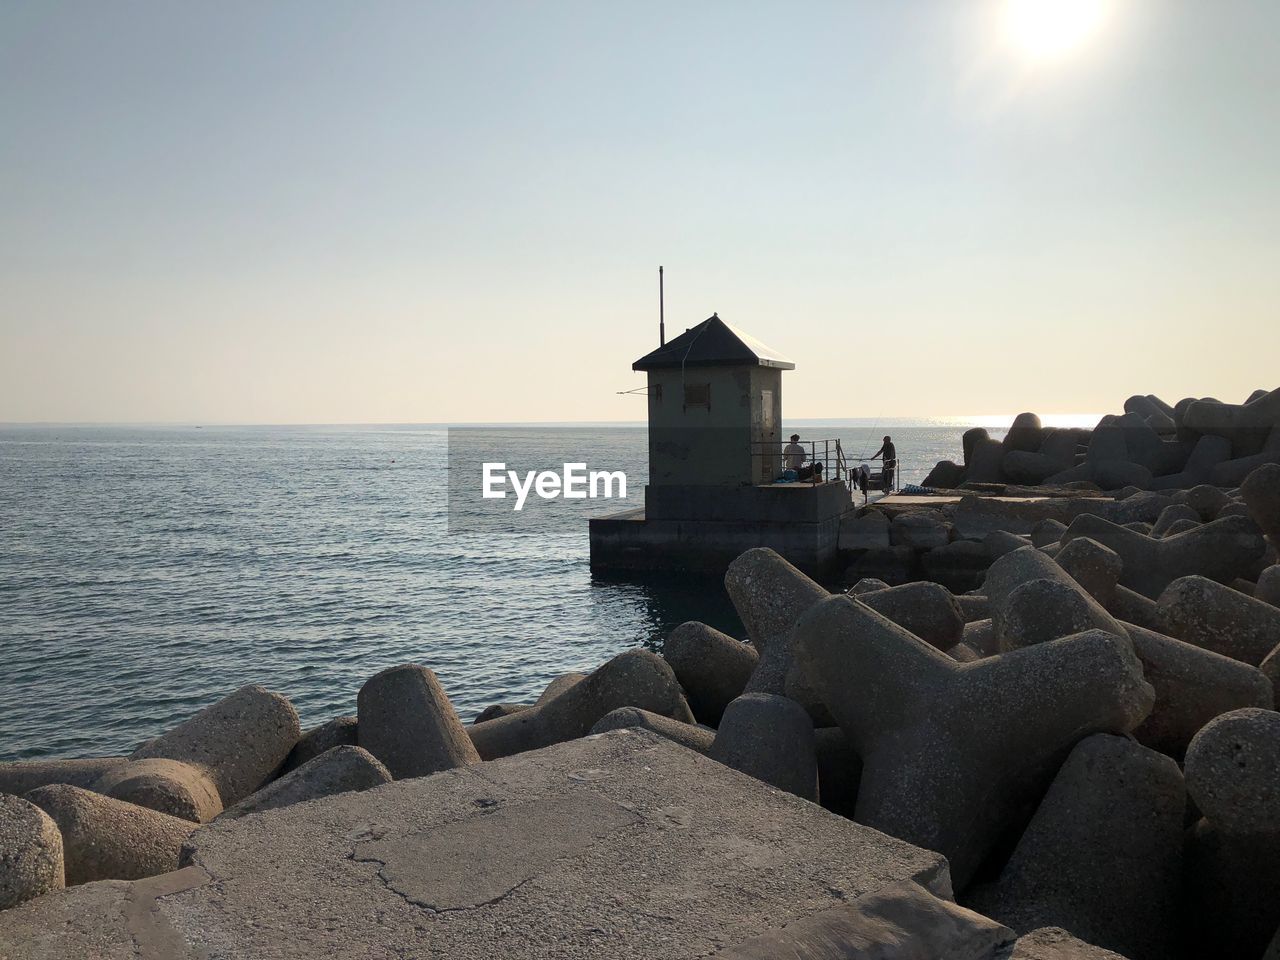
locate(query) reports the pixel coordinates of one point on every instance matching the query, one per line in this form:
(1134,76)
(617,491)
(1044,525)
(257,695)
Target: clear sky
(360,212)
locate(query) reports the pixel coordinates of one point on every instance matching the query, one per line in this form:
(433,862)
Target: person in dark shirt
(890,455)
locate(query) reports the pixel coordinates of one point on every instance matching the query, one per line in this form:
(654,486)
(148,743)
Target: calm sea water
(147,571)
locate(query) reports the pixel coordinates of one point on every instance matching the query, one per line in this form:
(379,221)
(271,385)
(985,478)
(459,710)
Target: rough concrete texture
(337,770)
(1177,527)
(769,595)
(1233,771)
(30,853)
(408,723)
(1022,566)
(1207,501)
(1171,515)
(559,685)
(926,609)
(1054,943)
(338,732)
(1046,532)
(1093,566)
(1130,607)
(108,839)
(241,740)
(712,667)
(974,606)
(954,753)
(1221,550)
(1267,589)
(901,922)
(634,678)
(19,776)
(980,636)
(919,531)
(1102,856)
(752,580)
(770,738)
(623,846)
(1192,687)
(1207,614)
(169,786)
(1041,610)
(689,735)
(999,542)
(1261,492)
(496,710)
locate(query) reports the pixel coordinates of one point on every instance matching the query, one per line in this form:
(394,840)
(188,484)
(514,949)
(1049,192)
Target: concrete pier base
(703,528)
(623,845)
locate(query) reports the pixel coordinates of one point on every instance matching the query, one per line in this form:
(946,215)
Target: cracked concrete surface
(622,846)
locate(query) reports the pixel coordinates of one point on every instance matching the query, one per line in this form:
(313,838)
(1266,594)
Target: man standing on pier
(890,454)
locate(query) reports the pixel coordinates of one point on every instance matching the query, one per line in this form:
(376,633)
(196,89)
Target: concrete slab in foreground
(624,845)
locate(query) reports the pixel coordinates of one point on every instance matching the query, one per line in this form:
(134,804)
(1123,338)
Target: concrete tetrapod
(1233,854)
(559,685)
(30,852)
(686,734)
(1261,492)
(1041,610)
(19,776)
(902,922)
(953,753)
(1221,550)
(1199,611)
(1233,771)
(408,723)
(1192,685)
(712,667)
(1094,567)
(1016,569)
(241,740)
(338,732)
(1054,943)
(769,595)
(1102,856)
(1246,425)
(770,738)
(108,839)
(635,678)
(339,769)
(1268,588)
(169,786)
(926,609)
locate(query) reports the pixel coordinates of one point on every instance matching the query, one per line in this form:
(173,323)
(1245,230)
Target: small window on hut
(697,395)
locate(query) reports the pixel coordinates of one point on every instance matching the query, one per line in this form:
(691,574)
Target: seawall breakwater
(1062,742)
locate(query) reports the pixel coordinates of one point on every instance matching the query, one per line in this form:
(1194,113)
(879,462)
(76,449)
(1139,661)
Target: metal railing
(824,462)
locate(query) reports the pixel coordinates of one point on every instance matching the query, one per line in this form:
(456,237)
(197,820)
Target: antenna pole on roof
(662,325)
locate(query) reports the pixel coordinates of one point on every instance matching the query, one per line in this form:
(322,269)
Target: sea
(147,571)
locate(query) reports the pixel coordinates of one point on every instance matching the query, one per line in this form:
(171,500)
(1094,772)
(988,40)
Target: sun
(1048,30)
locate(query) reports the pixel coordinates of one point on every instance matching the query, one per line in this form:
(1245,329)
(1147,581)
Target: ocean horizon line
(986,420)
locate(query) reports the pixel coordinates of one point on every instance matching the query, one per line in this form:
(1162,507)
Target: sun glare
(1046,30)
